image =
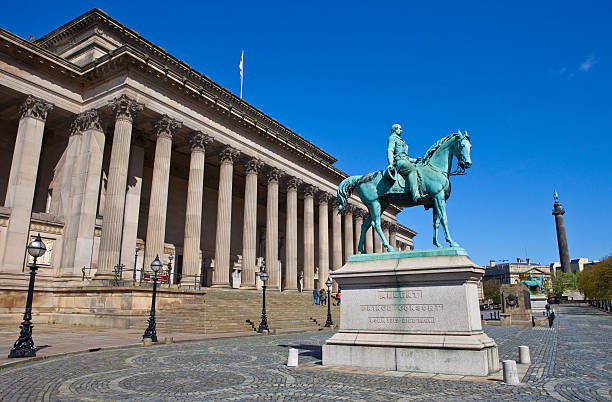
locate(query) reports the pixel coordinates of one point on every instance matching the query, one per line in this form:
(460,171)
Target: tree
(562,281)
(595,282)
(491,290)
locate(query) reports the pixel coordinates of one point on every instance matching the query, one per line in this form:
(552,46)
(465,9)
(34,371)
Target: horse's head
(462,151)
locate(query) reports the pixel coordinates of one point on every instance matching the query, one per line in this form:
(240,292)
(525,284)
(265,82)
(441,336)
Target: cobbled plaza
(571,361)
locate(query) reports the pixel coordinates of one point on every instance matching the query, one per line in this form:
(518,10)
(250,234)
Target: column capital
(385,224)
(323,197)
(35,107)
(274,175)
(348,209)
(333,201)
(310,190)
(293,183)
(393,228)
(166,126)
(198,141)
(125,107)
(253,165)
(228,154)
(88,120)
(360,213)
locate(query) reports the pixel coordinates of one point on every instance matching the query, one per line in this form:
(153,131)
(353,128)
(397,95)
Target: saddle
(399,188)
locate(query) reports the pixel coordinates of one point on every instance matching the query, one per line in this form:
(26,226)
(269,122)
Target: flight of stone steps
(228,310)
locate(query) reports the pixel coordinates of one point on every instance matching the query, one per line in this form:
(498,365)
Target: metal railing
(196,283)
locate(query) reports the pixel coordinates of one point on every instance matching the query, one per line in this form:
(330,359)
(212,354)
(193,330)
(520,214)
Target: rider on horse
(397,156)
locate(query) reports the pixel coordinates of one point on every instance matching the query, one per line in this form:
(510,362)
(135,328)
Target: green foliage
(562,281)
(595,282)
(492,290)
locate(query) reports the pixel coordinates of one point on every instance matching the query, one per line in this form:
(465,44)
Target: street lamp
(24,345)
(136,250)
(263,325)
(329,321)
(170,258)
(156,265)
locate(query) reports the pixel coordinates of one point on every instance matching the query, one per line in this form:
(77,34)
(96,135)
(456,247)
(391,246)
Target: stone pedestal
(538,306)
(412,311)
(516,302)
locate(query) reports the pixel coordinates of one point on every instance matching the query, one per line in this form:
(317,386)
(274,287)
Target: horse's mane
(435,147)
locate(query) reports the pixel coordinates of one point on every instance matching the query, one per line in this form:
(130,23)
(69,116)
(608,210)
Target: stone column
(385,228)
(221,273)
(323,238)
(336,240)
(393,235)
(125,110)
(79,227)
(197,142)
(272,267)
(369,240)
(164,129)
(22,180)
(558,212)
(309,237)
(377,242)
(291,238)
(348,232)
(60,201)
(131,214)
(359,215)
(249,229)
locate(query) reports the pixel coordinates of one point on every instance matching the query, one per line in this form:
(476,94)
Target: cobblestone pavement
(572,361)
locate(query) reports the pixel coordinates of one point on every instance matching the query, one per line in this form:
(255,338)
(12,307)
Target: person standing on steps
(315,297)
(323,297)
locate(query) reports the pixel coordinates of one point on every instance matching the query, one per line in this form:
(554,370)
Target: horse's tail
(345,189)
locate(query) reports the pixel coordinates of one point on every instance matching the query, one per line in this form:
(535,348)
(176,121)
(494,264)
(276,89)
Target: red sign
(148,277)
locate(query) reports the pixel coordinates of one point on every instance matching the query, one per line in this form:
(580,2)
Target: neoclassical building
(116,152)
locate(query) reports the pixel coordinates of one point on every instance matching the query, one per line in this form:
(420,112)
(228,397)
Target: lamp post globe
(150,332)
(136,250)
(263,325)
(170,258)
(24,345)
(329,321)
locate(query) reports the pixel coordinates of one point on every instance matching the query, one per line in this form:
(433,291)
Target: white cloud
(562,70)
(587,64)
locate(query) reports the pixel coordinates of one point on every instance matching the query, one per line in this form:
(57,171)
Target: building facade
(513,272)
(116,152)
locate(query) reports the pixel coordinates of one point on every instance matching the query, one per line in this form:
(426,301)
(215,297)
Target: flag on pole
(241,62)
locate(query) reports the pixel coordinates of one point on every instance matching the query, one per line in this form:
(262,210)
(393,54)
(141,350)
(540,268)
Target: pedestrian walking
(338,297)
(315,297)
(323,297)
(547,309)
(551,319)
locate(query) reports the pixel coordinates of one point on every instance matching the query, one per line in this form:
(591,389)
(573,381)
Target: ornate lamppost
(136,250)
(170,258)
(24,345)
(263,325)
(329,321)
(150,332)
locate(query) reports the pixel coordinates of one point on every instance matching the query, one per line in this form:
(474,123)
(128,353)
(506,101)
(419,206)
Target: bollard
(169,340)
(510,372)
(292,361)
(147,342)
(524,357)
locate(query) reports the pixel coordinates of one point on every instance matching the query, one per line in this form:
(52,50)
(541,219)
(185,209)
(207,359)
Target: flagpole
(240,87)
(241,68)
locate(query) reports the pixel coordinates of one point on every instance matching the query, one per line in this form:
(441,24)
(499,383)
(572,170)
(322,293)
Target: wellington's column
(221,274)
(323,238)
(348,231)
(78,238)
(336,239)
(125,110)
(291,237)
(393,235)
(197,142)
(249,229)
(359,215)
(309,192)
(164,129)
(272,267)
(558,212)
(22,180)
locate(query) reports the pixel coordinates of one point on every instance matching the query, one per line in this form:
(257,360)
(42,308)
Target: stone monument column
(221,273)
(272,266)
(291,238)
(323,238)
(22,180)
(197,142)
(309,237)
(558,212)
(359,215)
(79,226)
(348,231)
(164,129)
(125,110)
(249,230)
(336,240)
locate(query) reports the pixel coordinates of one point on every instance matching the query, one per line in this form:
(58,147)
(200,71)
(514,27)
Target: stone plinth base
(412,311)
(538,306)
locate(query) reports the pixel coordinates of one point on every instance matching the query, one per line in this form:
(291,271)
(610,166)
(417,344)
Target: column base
(221,285)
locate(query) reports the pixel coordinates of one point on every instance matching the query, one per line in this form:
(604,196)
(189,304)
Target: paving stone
(571,361)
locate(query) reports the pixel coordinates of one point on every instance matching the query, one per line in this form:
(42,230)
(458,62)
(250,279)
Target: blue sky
(530,81)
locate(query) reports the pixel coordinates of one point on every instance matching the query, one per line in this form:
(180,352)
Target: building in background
(513,272)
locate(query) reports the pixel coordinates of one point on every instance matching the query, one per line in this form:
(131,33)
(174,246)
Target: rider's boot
(414,187)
